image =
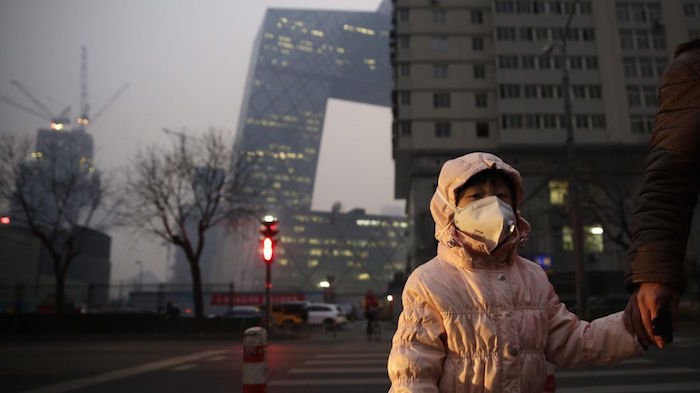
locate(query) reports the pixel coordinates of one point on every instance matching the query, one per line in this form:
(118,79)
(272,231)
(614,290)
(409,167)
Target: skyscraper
(302,58)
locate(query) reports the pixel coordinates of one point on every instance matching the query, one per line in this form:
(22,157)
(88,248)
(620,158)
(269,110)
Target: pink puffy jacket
(479,322)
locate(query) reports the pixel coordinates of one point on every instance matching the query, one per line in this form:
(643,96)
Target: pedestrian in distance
(480,318)
(371,307)
(667,197)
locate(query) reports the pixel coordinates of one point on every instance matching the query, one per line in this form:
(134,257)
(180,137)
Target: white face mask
(488,219)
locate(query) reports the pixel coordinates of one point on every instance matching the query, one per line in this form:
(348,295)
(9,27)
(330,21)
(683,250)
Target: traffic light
(268,229)
(4,220)
(268,250)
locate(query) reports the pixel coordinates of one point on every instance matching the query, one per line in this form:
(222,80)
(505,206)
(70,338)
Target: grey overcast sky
(186,62)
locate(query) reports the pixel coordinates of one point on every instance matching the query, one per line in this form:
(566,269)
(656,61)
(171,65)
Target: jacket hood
(454,174)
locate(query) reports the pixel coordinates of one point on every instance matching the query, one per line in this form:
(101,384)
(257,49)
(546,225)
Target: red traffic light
(5,220)
(268,249)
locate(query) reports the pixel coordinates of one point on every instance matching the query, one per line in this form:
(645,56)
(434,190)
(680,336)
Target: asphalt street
(347,363)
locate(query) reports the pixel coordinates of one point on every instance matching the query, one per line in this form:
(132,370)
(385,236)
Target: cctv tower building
(301,59)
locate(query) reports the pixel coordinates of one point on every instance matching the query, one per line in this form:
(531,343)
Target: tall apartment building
(487,76)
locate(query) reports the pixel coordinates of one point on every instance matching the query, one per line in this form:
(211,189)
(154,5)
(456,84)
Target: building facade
(487,76)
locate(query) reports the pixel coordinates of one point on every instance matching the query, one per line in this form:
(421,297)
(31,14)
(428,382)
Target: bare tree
(56,192)
(610,201)
(178,194)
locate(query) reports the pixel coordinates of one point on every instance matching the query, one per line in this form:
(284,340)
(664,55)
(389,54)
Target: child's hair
(492,176)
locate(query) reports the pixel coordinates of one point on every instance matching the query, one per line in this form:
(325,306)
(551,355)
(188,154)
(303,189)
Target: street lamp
(574,202)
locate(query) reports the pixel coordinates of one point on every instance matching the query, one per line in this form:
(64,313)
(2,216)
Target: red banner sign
(253,299)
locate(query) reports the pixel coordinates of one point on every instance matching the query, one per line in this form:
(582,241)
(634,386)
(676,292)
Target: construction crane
(84,117)
(61,120)
(58,122)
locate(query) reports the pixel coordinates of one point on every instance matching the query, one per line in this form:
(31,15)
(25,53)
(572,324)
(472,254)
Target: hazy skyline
(186,63)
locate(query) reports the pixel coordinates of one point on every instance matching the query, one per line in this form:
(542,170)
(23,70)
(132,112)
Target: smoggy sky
(186,63)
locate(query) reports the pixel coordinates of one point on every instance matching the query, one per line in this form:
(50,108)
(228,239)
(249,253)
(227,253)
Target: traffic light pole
(268,230)
(268,285)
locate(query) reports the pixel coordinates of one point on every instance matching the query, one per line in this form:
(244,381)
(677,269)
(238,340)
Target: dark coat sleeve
(669,189)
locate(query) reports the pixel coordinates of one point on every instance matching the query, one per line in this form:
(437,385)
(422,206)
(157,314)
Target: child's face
(497,188)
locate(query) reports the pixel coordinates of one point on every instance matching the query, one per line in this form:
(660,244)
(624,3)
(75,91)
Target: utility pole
(574,202)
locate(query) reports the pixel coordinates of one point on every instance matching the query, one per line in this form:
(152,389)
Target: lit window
(558,190)
(593,238)
(312,263)
(567,239)
(363,276)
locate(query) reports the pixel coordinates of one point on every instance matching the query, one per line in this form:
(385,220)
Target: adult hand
(652,296)
(633,321)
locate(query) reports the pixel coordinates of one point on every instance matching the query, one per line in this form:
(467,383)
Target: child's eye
(475,196)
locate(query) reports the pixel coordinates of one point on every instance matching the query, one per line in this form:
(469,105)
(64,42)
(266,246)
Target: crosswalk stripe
(345,362)
(627,372)
(81,383)
(329,382)
(383,355)
(646,388)
(184,367)
(344,370)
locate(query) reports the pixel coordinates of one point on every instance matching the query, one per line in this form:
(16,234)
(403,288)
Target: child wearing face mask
(480,318)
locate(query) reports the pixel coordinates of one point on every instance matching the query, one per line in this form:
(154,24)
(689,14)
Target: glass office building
(301,59)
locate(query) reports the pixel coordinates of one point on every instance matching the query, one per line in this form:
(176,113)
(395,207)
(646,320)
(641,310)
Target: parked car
(240,312)
(288,315)
(329,316)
